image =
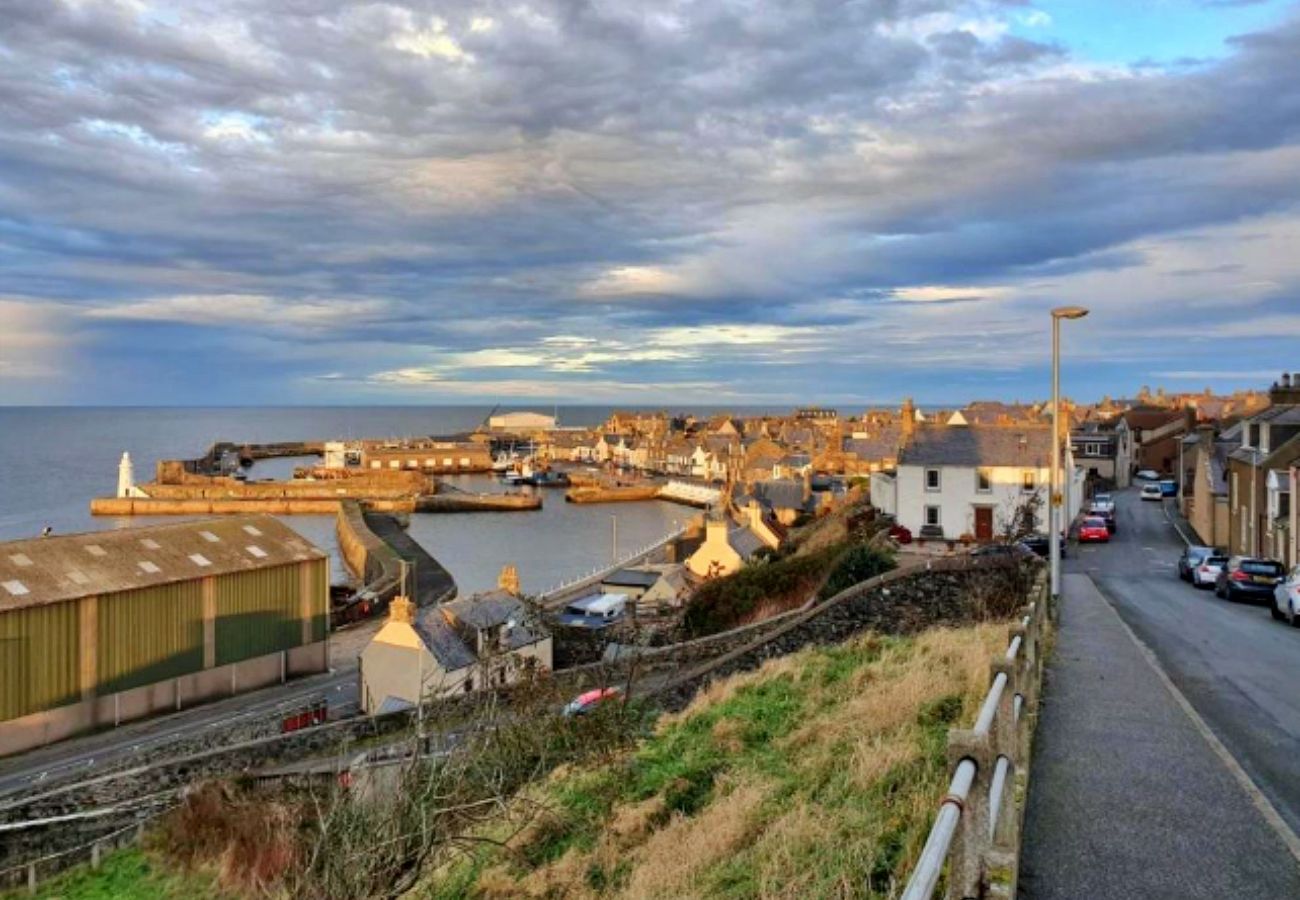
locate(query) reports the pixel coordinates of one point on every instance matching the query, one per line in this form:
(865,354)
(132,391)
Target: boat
(503,462)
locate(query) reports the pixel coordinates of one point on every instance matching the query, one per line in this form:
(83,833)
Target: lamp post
(1054,524)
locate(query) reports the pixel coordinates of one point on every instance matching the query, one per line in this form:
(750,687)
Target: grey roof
(781,493)
(978,445)
(38,571)
(486,610)
(633,578)
(1281,414)
(881,445)
(442,640)
(745,542)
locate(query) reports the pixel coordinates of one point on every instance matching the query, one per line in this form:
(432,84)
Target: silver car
(1205,572)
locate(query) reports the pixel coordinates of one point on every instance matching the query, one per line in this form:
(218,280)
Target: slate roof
(486,610)
(781,493)
(442,640)
(633,578)
(880,445)
(39,571)
(745,542)
(979,445)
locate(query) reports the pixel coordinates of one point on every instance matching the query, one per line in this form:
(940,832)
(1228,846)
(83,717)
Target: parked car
(1168,487)
(1037,545)
(1001,551)
(1152,491)
(1147,475)
(1204,575)
(1103,503)
(1286,598)
(1093,530)
(1101,511)
(901,533)
(585,703)
(1245,577)
(1191,558)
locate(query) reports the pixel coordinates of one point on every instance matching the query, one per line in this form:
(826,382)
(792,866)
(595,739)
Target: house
(977,480)
(787,498)
(1205,484)
(725,549)
(654,589)
(1270,440)
(1277,536)
(1151,436)
(1093,445)
(439,651)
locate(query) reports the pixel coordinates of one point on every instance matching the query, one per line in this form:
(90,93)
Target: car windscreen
(1216,561)
(1094,523)
(1260,567)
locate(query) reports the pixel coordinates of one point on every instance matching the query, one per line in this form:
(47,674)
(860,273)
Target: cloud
(761,198)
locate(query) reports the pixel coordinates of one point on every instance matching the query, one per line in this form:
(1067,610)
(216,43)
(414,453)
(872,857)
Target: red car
(1094,529)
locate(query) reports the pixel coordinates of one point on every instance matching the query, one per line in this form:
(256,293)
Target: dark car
(1247,578)
(1037,544)
(1190,559)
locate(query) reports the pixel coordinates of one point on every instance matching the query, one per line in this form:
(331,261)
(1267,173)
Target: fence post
(971,842)
(31,878)
(94,855)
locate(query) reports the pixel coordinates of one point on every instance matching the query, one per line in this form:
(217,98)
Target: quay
(176,490)
(612,494)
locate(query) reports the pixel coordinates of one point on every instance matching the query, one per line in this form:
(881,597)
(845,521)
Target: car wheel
(1276,613)
(1291,616)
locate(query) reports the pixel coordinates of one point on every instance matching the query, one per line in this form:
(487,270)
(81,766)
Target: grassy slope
(814,776)
(126,875)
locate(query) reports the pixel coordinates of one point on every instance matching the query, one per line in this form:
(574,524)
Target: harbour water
(53,460)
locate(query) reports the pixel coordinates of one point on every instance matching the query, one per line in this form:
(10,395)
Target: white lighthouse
(126,478)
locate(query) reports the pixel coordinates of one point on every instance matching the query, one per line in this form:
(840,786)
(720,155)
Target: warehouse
(100,628)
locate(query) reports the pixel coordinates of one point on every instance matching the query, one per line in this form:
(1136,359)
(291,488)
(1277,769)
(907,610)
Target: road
(1239,669)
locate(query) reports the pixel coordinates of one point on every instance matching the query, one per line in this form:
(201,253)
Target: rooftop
(40,571)
(979,445)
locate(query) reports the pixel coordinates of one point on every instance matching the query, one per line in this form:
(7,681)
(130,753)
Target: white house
(955,480)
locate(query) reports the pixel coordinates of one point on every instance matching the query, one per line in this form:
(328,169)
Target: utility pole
(613,522)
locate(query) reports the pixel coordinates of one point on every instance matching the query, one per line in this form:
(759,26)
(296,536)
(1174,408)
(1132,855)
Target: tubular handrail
(975,835)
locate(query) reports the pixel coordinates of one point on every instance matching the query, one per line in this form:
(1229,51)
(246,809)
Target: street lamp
(1054,490)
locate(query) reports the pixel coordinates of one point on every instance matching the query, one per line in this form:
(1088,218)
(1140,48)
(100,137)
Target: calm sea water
(54,460)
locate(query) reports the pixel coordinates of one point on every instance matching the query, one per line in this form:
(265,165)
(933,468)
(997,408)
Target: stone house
(1270,440)
(725,549)
(1205,486)
(453,648)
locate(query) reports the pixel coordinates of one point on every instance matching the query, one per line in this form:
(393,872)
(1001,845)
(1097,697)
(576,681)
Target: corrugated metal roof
(66,567)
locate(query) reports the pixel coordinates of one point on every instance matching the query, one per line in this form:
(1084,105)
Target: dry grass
(813,776)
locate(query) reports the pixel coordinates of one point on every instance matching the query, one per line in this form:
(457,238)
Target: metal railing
(600,572)
(976,832)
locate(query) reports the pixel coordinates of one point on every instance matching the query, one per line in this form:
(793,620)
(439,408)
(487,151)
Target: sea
(53,460)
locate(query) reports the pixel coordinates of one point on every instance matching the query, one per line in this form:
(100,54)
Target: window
(932,515)
(1028,480)
(983,481)
(1092,449)
(932,481)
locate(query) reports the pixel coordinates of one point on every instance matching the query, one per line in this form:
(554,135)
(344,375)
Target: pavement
(1165,762)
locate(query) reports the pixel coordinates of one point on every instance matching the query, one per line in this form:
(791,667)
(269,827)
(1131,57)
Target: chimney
(1285,391)
(401,610)
(1205,435)
(907,422)
(508,580)
(755,515)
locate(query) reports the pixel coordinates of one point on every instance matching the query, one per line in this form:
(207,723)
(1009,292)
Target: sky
(686,201)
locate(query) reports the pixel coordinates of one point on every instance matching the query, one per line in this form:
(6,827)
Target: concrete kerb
(1164,507)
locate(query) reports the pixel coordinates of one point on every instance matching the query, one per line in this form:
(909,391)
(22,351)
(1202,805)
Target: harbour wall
(203,506)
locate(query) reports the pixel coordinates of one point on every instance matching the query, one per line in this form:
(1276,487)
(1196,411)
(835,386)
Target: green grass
(125,875)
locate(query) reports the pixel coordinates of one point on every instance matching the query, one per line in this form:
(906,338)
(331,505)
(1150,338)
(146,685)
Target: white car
(1286,598)
(1103,503)
(1152,492)
(1207,571)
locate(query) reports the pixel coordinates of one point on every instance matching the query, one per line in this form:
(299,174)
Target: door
(983,523)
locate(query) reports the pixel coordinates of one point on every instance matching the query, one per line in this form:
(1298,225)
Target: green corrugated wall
(258,612)
(39,659)
(154,634)
(149,635)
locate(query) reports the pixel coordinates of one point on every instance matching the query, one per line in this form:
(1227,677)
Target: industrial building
(103,627)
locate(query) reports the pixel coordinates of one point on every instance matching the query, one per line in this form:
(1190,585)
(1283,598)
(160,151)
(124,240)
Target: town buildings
(100,628)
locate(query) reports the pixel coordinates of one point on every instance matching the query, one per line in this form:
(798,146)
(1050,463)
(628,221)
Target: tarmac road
(1238,667)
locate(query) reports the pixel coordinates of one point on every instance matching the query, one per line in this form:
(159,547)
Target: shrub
(855,566)
(777,584)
